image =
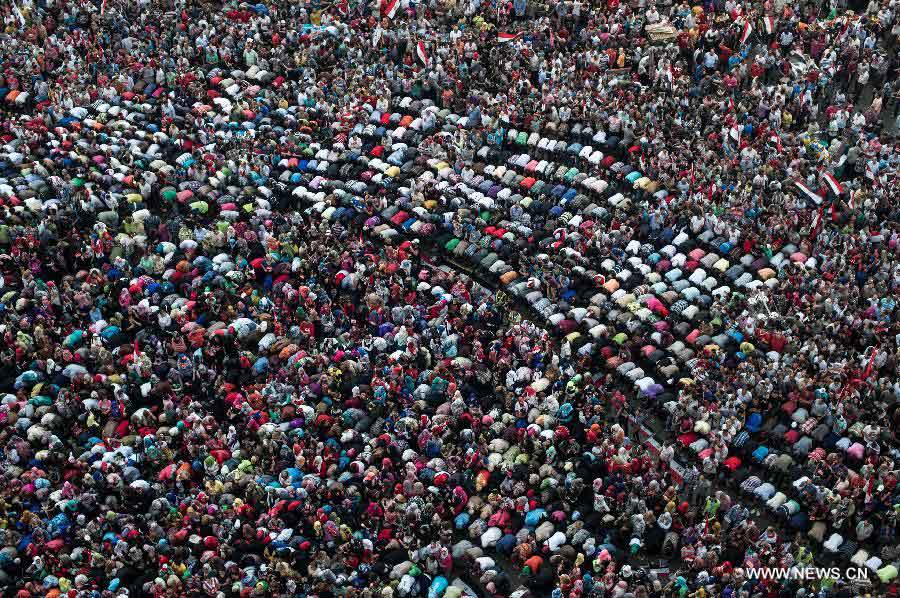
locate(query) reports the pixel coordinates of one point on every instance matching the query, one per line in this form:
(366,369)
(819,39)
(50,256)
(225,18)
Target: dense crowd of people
(448,299)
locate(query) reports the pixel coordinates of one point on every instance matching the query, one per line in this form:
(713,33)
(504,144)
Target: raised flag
(817,221)
(833,183)
(844,28)
(748,29)
(389,8)
(769,24)
(421,53)
(810,194)
(870,172)
(507,37)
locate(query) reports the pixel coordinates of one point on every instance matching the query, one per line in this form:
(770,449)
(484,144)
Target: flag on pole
(833,183)
(769,24)
(103,8)
(421,53)
(502,38)
(814,197)
(748,29)
(389,8)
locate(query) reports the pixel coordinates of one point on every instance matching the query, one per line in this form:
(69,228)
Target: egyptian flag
(769,24)
(103,8)
(389,8)
(812,196)
(817,221)
(421,53)
(844,28)
(833,185)
(748,29)
(870,172)
(502,38)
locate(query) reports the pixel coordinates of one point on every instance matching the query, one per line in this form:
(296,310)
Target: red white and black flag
(389,8)
(833,185)
(421,53)
(748,29)
(507,37)
(817,222)
(815,197)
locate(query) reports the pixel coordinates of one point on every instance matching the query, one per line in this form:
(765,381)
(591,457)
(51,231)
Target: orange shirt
(534,563)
